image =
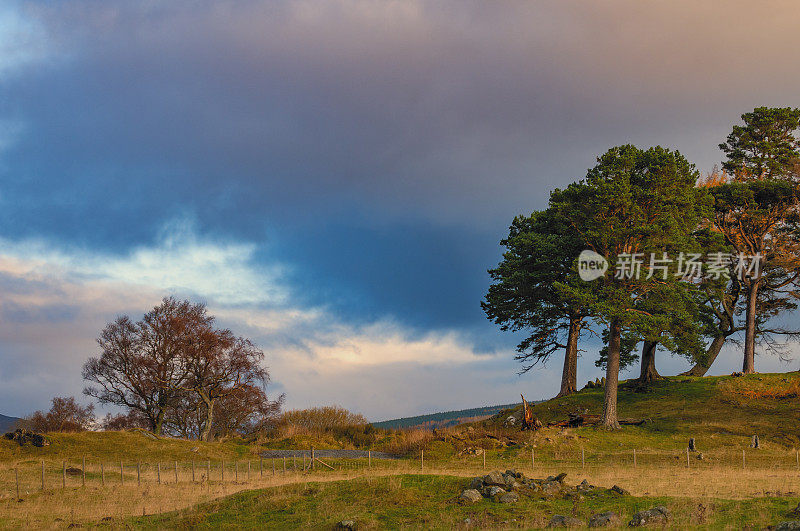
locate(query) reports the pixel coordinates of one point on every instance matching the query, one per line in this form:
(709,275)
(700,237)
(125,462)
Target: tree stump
(692,447)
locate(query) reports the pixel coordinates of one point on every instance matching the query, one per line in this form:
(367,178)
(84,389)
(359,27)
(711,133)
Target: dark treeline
(652,217)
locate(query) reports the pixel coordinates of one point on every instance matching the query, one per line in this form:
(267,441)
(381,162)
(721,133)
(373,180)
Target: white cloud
(56,301)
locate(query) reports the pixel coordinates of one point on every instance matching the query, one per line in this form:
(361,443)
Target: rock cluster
(598,383)
(656,515)
(24,437)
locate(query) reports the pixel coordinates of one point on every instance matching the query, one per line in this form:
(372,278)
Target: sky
(333,178)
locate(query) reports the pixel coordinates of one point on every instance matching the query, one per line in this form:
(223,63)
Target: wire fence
(28,477)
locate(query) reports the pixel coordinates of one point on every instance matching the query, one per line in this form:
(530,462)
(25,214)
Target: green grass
(413,501)
(715,410)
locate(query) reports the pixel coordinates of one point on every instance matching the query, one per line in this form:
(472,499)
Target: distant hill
(6,423)
(443,420)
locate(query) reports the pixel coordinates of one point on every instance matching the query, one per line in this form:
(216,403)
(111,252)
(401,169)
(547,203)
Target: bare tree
(65,415)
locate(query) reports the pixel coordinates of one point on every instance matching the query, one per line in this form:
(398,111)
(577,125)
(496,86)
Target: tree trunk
(610,419)
(749,365)
(649,372)
(569,376)
(158,425)
(206,434)
(700,369)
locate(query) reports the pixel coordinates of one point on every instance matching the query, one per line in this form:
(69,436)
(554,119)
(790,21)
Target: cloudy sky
(333,178)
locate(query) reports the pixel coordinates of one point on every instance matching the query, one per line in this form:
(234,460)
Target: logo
(591,265)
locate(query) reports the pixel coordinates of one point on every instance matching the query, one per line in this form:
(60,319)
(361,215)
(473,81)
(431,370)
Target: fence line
(92,471)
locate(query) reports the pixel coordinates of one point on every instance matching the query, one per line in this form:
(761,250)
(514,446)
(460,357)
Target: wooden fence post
(583,458)
(797,458)
(261,467)
(273,466)
(222,470)
(236,471)
(248,471)
(193,480)
(63,474)
(208,471)
(121,475)
(312,458)
(687,457)
(176,472)
(16,479)
(369,458)
(634,458)
(102,475)
(743,465)
(83,472)
(138,472)
(42,475)
(422,460)
(158,468)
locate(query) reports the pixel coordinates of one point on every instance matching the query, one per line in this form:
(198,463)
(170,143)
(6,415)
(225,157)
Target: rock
(491,492)
(470,496)
(23,437)
(559,520)
(510,421)
(700,456)
(509,497)
(754,444)
(551,487)
(604,520)
(691,445)
(619,490)
(494,478)
(513,473)
(787,526)
(346,524)
(559,478)
(72,471)
(584,486)
(476,483)
(656,515)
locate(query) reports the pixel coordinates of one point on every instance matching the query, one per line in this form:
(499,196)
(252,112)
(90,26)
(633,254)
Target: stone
(604,520)
(491,492)
(513,473)
(787,526)
(619,490)
(700,456)
(551,487)
(583,486)
(346,524)
(656,515)
(476,483)
(494,478)
(470,496)
(559,520)
(511,421)
(509,497)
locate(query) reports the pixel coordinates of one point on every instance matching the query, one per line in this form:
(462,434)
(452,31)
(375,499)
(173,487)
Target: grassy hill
(719,411)
(442,420)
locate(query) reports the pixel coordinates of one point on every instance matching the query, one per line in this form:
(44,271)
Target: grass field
(719,491)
